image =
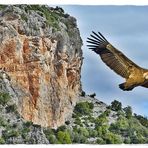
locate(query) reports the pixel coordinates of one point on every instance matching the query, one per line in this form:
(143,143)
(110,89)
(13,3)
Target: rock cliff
(40,62)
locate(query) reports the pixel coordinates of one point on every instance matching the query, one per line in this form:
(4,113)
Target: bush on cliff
(84,108)
(4,98)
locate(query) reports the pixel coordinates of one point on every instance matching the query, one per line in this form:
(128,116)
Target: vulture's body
(118,62)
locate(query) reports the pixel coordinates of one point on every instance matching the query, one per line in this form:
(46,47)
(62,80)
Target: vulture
(134,74)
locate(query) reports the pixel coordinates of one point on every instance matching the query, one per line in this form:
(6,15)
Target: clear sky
(126,27)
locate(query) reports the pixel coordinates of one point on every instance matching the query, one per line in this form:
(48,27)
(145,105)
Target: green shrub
(52,17)
(3,122)
(26,130)
(2,7)
(28,124)
(25,136)
(92,133)
(127,140)
(100,141)
(2,141)
(24,17)
(90,119)
(120,113)
(136,131)
(74,115)
(10,133)
(112,138)
(108,107)
(116,105)
(14,125)
(102,130)
(78,121)
(64,137)
(120,127)
(50,135)
(142,120)
(138,139)
(83,131)
(82,139)
(128,112)
(83,108)
(86,123)
(78,138)
(52,139)
(11,108)
(61,128)
(122,123)
(101,120)
(107,112)
(4,98)
(49,131)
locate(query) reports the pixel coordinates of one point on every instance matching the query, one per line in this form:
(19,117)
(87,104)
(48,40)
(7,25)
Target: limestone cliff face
(40,51)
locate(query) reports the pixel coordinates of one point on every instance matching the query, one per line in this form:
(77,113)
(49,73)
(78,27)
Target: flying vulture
(134,75)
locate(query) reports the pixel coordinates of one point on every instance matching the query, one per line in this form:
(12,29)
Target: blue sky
(126,27)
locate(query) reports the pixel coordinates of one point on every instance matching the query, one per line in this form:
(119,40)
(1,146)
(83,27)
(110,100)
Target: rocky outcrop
(13,128)
(40,58)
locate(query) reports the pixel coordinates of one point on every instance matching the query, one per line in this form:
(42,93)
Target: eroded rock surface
(40,50)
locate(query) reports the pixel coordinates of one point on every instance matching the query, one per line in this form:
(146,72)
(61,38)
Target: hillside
(94,122)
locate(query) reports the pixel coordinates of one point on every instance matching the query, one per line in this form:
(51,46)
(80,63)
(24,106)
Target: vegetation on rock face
(116,105)
(83,108)
(2,7)
(64,137)
(4,98)
(53,15)
(13,129)
(142,120)
(128,112)
(11,108)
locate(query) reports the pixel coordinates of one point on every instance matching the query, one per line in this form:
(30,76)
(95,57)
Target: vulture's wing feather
(112,57)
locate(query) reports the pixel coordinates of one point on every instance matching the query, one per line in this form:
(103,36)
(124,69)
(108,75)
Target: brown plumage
(118,62)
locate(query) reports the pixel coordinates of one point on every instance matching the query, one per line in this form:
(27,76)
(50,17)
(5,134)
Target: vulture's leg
(126,87)
(129,84)
(121,86)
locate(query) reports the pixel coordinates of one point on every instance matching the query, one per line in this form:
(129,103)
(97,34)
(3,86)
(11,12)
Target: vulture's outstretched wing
(112,57)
